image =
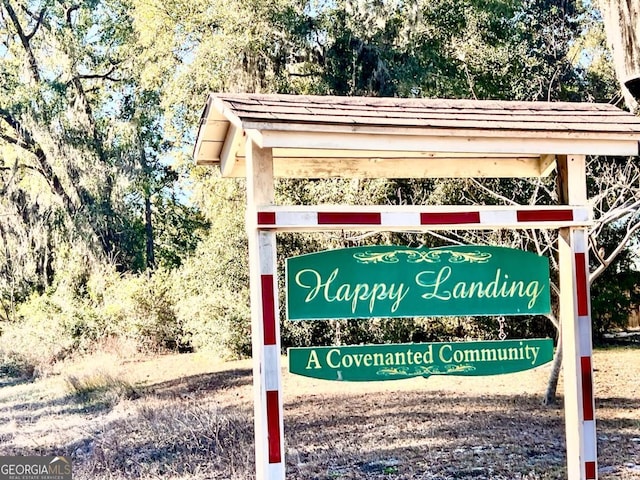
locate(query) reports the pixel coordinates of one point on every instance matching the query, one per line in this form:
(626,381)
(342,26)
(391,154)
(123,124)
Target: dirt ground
(464,427)
(190,417)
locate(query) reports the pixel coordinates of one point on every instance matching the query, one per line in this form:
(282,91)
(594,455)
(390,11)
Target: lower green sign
(365,363)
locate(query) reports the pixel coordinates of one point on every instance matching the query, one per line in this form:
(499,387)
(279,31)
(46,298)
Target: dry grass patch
(194,420)
(454,427)
(425,434)
(168,439)
(100,389)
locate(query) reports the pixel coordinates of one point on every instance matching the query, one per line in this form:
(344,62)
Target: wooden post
(575,319)
(265,325)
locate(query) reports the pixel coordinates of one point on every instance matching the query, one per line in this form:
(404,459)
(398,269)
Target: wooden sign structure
(261,137)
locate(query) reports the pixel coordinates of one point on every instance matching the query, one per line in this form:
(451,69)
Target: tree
(620,19)
(85,139)
(55,165)
(496,49)
(82,148)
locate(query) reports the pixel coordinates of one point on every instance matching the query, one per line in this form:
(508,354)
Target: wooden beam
(232,143)
(419,218)
(576,180)
(428,142)
(562,183)
(207,151)
(547,164)
(284,153)
(439,167)
(214,130)
(381,167)
(420,131)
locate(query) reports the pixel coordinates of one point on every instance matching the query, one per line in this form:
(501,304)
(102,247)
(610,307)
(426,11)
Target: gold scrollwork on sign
(424,371)
(418,256)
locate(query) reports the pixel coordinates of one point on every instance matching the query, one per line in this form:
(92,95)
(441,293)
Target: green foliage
(14,364)
(108,231)
(218,321)
(614,294)
(150,317)
(211,287)
(497,49)
(33,344)
(80,315)
(83,153)
(613,298)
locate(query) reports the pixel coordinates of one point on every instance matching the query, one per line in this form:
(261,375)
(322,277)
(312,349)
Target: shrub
(31,345)
(218,321)
(16,365)
(65,321)
(142,307)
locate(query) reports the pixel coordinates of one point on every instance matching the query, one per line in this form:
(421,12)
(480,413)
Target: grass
(190,417)
(100,389)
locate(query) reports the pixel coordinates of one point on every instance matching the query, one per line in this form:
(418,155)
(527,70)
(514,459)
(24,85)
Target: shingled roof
(324,136)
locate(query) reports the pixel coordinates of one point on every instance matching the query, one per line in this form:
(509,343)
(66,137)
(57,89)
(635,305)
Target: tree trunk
(148,228)
(621,19)
(148,214)
(554,376)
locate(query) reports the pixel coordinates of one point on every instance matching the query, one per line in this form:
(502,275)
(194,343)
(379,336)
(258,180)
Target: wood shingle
(328,136)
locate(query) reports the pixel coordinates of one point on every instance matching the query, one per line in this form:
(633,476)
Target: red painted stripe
(266,218)
(587,388)
(355,218)
(544,215)
(581,284)
(268,310)
(590,470)
(449,218)
(273,426)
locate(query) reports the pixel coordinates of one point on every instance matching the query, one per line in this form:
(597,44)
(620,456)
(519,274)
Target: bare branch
(14,141)
(470,81)
(24,39)
(554,320)
(302,75)
(39,20)
(618,213)
(102,76)
(616,251)
(553,79)
(43,165)
(534,197)
(70,11)
(598,252)
(492,193)
(536,242)
(89,113)
(439,236)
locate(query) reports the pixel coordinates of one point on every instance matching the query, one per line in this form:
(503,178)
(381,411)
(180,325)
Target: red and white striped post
(265,325)
(575,318)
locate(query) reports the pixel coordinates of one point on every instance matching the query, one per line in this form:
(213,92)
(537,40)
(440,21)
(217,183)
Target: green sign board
(395,281)
(362,363)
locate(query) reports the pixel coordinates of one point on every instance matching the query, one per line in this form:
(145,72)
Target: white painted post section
(575,320)
(265,325)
